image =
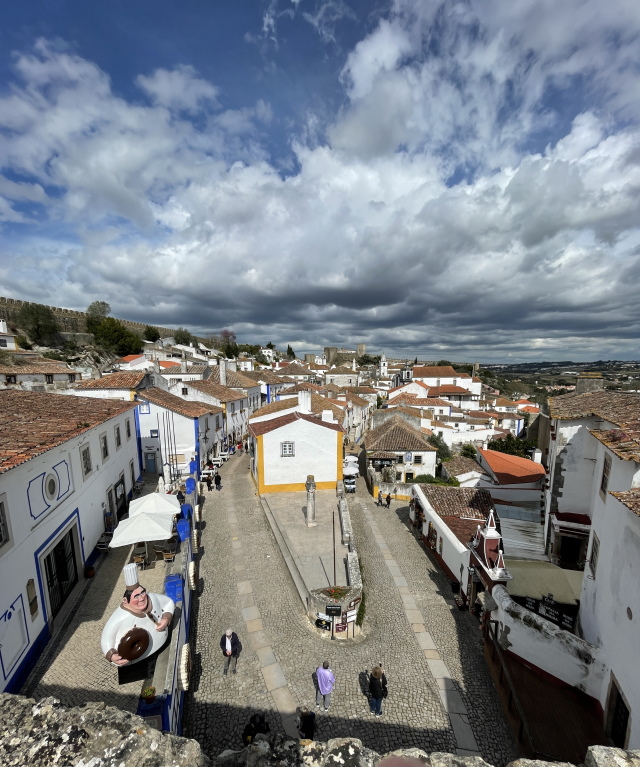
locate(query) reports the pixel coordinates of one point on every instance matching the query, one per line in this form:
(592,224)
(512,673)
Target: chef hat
(131,576)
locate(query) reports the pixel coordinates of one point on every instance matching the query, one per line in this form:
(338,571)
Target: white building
(174,431)
(66,470)
(37,376)
(399,444)
(7,339)
(235,405)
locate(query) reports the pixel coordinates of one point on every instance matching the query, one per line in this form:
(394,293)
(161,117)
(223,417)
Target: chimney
(589,382)
(537,455)
(156,366)
(354,364)
(183,363)
(304,401)
(223,372)
(327,416)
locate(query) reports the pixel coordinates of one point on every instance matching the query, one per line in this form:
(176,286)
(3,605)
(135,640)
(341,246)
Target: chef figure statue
(139,626)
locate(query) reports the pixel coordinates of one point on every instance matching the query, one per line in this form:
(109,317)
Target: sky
(439,179)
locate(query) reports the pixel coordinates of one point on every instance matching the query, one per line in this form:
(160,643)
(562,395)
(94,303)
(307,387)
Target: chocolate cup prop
(133,644)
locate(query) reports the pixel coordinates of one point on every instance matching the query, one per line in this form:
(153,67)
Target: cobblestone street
(246,586)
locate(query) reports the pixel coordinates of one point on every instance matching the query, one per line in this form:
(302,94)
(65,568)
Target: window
(409,477)
(127,428)
(133,474)
(400,460)
(85,457)
(104,447)
(287,449)
(398,476)
(606,470)
(32,598)
(3,341)
(217,422)
(233,408)
(595,552)
(72,377)
(154,433)
(185,391)
(118,438)
(417,459)
(48,378)
(10,379)
(206,423)
(51,487)
(4,526)
(144,408)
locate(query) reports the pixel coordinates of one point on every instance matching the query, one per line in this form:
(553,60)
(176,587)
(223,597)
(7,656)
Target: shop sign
(340,627)
(355,602)
(333,609)
(351,615)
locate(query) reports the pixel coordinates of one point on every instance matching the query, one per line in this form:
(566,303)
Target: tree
(441,446)
(182,336)
(415,362)
(429,479)
(271,345)
(513,445)
(99,309)
(115,337)
(151,333)
(468,451)
(444,363)
(291,355)
(39,322)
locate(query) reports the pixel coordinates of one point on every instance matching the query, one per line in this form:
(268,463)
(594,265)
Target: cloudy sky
(434,179)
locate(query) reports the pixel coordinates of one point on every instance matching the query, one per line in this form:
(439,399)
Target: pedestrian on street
(306,723)
(388,501)
(257,724)
(180,496)
(379,498)
(218,481)
(326,681)
(209,481)
(231,648)
(377,690)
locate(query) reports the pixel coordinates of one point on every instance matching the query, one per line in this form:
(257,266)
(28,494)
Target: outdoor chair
(169,556)
(140,560)
(158,550)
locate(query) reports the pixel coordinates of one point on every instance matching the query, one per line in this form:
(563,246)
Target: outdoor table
(139,551)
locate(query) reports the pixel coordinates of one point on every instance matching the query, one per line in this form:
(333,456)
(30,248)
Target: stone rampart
(69,320)
(47,733)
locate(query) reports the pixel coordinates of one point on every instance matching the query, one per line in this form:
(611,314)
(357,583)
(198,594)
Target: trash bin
(174,587)
(183,529)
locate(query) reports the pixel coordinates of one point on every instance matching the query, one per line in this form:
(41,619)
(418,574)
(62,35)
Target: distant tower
(361,350)
(384,370)
(476,369)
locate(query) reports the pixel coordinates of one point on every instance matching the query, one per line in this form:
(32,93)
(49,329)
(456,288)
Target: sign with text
(351,615)
(355,602)
(323,616)
(333,610)
(340,627)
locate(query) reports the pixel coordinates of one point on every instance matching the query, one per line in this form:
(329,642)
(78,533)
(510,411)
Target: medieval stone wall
(47,733)
(69,320)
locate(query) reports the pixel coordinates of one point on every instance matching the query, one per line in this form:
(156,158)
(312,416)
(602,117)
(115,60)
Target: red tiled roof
(123,380)
(461,465)
(448,390)
(130,357)
(395,434)
(470,502)
(168,364)
(33,422)
(630,498)
(217,391)
(190,409)
(511,469)
(235,379)
(263,427)
(13,370)
(616,407)
(625,443)
(275,407)
(435,371)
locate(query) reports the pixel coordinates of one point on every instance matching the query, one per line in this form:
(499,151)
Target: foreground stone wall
(47,734)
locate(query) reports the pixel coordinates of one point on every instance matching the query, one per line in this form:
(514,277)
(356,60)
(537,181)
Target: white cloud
(178,89)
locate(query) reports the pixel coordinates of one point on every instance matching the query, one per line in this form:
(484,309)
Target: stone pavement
(431,652)
(72,667)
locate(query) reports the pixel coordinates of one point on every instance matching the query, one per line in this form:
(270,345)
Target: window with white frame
(287,449)
(4,525)
(417,459)
(154,432)
(144,408)
(595,553)
(85,458)
(104,447)
(118,437)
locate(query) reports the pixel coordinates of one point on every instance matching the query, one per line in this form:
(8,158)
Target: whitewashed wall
(315,453)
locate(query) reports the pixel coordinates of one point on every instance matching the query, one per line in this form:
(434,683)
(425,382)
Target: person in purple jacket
(326,681)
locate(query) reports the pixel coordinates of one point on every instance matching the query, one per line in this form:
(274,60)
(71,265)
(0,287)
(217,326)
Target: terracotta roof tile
(33,422)
(217,391)
(262,376)
(511,469)
(469,502)
(462,465)
(188,408)
(625,443)
(123,380)
(168,364)
(263,427)
(630,498)
(12,370)
(341,370)
(235,379)
(275,407)
(617,407)
(295,369)
(434,371)
(397,435)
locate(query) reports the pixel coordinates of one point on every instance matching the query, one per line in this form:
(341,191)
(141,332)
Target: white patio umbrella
(350,471)
(142,527)
(351,459)
(154,503)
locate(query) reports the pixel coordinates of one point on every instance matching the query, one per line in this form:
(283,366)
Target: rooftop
(123,380)
(467,502)
(397,435)
(263,427)
(33,422)
(36,369)
(434,371)
(177,404)
(235,379)
(511,469)
(619,408)
(461,465)
(217,391)
(625,443)
(630,498)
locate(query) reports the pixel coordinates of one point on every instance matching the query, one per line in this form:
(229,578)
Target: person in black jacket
(231,648)
(377,690)
(256,724)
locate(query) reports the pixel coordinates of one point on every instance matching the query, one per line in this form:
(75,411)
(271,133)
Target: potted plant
(148,694)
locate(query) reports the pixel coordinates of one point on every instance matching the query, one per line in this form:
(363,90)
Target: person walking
(380,498)
(306,723)
(377,690)
(209,481)
(388,501)
(231,648)
(326,681)
(218,481)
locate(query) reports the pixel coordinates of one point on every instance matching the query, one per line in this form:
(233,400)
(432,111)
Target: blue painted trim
(138,441)
(36,555)
(8,616)
(22,672)
(196,426)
